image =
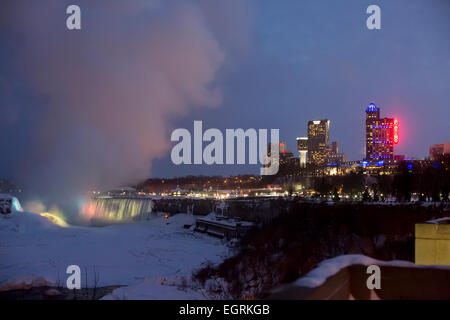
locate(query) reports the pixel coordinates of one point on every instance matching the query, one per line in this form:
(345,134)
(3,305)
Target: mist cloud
(107,93)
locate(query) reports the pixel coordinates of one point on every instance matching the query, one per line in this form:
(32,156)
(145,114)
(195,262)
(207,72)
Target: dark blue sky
(316,59)
(269,64)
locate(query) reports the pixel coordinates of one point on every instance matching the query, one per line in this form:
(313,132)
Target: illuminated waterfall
(118,209)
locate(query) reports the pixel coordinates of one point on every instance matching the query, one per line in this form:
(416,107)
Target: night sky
(95,107)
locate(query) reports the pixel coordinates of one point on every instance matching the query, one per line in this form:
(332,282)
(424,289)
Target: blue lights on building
(375,126)
(372,108)
(410,166)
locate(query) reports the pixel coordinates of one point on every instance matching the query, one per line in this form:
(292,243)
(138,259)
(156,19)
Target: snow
(330,267)
(444,220)
(143,255)
(212,217)
(154,289)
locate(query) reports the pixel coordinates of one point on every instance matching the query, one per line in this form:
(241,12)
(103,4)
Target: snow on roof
(212,217)
(178,189)
(126,189)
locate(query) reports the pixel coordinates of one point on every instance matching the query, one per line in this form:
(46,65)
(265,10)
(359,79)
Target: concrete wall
(432,244)
(397,283)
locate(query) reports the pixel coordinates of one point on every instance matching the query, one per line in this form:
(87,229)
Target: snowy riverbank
(148,257)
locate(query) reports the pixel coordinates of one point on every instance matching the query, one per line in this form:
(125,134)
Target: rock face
(9,204)
(5,204)
(200,207)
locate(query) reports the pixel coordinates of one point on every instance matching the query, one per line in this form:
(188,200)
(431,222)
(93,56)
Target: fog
(104,96)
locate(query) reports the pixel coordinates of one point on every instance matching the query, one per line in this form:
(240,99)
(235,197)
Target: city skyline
(258,65)
(224,155)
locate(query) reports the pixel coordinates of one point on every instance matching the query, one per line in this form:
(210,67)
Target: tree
(366,196)
(336,197)
(352,183)
(384,184)
(403,183)
(290,189)
(445,192)
(376,198)
(435,194)
(422,197)
(322,186)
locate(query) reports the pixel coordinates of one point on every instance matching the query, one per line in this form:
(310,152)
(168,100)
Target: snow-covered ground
(149,257)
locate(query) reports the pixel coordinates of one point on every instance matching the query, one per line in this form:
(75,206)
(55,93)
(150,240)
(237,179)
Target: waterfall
(118,208)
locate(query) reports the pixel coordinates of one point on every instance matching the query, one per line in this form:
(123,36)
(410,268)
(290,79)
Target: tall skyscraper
(381,135)
(318,137)
(302,147)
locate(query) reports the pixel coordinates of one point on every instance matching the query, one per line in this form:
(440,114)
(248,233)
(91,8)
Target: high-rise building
(381,135)
(318,137)
(336,158)
(439,149)
(286,161)
(334,147)
(283,147)
(302,147)
(333,155)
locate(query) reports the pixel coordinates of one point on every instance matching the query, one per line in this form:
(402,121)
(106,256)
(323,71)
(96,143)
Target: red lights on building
(395,131)
(381,135)
(283,148)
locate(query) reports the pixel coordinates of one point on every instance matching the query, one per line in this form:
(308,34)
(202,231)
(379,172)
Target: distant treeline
(431,183)
(200,183)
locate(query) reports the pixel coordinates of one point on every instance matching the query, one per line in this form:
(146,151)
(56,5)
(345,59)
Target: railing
(350,282)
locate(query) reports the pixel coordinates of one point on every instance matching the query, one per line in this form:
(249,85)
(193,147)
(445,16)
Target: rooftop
(372,108)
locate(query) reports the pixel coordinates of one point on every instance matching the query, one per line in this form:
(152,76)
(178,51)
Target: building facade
(318,138)
(302,147)
(438,150)
(333,155)
(283,147)
(381,135)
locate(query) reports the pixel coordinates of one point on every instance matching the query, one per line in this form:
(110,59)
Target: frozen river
(145,256)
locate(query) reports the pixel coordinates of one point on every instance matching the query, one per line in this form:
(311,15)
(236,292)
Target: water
(119,209)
